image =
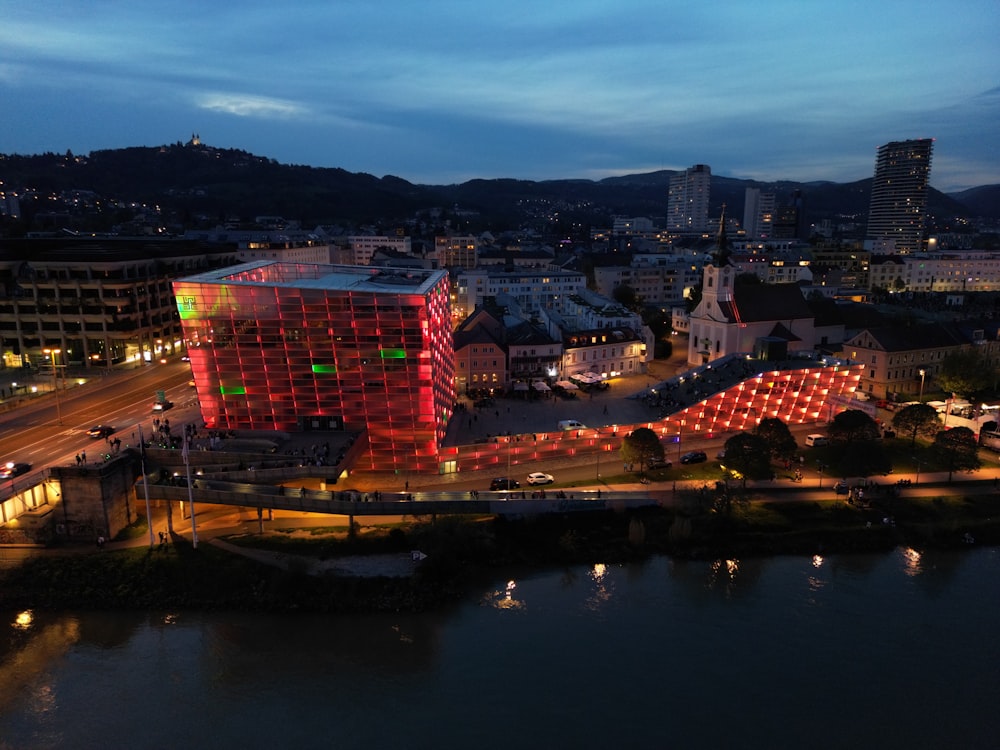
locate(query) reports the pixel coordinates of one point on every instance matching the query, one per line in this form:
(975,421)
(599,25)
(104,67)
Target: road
(50,429)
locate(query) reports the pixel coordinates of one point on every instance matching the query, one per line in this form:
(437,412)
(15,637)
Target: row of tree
(856,445)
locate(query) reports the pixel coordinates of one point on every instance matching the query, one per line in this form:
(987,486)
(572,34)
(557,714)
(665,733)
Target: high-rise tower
(898,208)
(687,200)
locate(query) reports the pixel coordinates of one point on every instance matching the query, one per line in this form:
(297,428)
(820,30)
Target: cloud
(243,105)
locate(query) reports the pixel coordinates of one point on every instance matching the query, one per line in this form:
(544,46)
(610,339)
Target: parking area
(528,412)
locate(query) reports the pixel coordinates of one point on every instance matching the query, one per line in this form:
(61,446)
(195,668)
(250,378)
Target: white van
(571,424)
(817,440)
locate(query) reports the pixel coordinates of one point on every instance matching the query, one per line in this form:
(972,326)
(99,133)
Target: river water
(863,651)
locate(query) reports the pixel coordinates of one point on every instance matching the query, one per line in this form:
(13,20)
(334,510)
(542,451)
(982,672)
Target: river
(862,651)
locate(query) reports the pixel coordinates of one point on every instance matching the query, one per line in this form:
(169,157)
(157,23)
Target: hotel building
(298,347)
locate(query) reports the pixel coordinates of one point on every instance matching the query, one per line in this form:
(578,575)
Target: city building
(363,246)
(480,357)
(100,301)
(898,207)
(655,279)
(758,214)
(299,347)
(457,251)
(607,352)
(903,361)
(531,289)
(769,320)
(687,200)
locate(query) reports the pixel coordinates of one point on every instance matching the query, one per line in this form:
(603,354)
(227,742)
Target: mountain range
(194,184)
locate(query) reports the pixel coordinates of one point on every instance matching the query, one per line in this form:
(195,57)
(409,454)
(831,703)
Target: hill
(200,185)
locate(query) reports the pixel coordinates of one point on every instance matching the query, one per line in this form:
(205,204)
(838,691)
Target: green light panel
(392,353)
(324,369)
(236,390)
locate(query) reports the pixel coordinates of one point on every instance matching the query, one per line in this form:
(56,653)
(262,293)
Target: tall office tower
(687,200)
(758,214)
(298,347)
(899,196)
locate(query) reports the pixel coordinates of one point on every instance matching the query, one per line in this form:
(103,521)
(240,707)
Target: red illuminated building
(297,347)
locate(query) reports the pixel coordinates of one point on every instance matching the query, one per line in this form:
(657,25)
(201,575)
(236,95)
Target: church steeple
(722,251)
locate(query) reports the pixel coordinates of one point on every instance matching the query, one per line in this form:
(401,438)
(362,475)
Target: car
(841,488)
(503,483)
(538,477)
(159,406)
(694,457)
(11,469)
(659,463)
(100,431)
(721,454)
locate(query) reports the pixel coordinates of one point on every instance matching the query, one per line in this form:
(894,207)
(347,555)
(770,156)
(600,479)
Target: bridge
(356,503)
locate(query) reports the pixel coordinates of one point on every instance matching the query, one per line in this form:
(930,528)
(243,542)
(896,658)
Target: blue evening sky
(441,91)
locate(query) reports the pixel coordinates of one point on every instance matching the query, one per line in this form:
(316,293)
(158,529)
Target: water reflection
(603,588)
(503,598)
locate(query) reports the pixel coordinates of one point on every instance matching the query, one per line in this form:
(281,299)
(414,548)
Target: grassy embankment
(463,550)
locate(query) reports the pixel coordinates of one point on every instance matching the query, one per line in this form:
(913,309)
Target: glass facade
(296,347)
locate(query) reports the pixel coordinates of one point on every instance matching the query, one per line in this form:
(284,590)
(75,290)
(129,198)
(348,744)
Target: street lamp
(923,373)
(55,382)
(819,465)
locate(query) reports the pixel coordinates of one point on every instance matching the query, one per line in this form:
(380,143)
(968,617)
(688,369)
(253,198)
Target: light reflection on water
(597,656)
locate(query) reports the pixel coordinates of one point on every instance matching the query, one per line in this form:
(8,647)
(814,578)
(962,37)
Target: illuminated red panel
(284,346)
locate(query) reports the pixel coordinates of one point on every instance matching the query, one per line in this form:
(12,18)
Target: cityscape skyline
(437,96)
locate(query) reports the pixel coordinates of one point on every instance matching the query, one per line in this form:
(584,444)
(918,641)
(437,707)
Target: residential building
(299,347)
(100,300)
(758,214)
(363,246)
(657,280)
(687,200)
(903,360)
(606,352)
(530,289)
(898,207)
(457,251)
(480,357)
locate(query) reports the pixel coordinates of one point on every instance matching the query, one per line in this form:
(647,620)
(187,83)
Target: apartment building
(100,300)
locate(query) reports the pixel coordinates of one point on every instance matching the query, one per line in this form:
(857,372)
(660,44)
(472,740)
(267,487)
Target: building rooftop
(323,276)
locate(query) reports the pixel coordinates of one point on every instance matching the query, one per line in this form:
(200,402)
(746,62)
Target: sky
(443,91)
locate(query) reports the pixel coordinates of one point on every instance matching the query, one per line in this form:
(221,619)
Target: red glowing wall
(282,357)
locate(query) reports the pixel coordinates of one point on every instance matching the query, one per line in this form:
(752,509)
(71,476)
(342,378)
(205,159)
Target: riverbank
(330,570)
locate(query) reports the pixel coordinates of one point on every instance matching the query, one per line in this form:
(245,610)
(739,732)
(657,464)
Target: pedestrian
(83,457)
(100,542)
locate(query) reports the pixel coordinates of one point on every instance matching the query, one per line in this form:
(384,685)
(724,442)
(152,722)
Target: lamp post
(819,465)
(923,373)
(55,381)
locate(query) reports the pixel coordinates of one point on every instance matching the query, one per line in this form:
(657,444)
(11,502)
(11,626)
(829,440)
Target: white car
(540,478)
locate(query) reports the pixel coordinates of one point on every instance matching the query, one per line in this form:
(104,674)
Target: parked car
(841,487)
(100,431)
(659,463)
(539,478)
(11,469)
(694,457)
(503,483)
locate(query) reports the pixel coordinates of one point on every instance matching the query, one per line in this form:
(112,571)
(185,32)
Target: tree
(956,449)
(856,446)
(778,437)
(914,419)
(851,426)
(640,446)
(966,373)
(626,296)
(750,455)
